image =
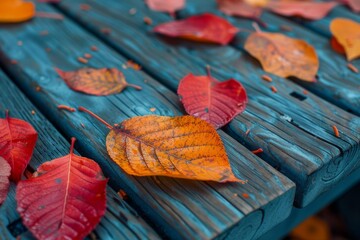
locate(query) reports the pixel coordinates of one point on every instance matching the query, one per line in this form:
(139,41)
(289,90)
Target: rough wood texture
(120,220)
(296,135)
(180,209)
(335,82)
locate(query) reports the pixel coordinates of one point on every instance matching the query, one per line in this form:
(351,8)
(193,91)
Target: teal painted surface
(296,136)
(178,208)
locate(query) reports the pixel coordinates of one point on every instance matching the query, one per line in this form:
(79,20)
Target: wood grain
(120,220)
(296,135)
(180,209)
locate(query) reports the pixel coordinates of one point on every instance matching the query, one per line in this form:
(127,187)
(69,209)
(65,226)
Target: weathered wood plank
(180,209)
(335,82)
(120,220)
(296,136)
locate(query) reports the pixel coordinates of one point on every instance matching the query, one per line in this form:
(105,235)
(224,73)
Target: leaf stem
(49,15)
(73,140)
(7,113)
(134,86)
(256,26)
(82,109)
(208,70)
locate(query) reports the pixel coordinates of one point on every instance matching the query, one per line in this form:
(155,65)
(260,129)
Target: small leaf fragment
(99,82)
(65,198)
(206,27)
(347,34)
(14,11)
(283,56)
(169,6)
(5,171)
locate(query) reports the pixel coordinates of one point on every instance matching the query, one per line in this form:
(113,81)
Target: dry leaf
(283,56)
(204,28)
(5,171)
(211,100)
(98,82)
(336,46)
(169,6)
(307,10)
(347,34)
(239,8)
(180,147)
(13,11)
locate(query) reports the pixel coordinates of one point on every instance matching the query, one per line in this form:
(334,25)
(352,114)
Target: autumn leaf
(347,34)
(211,100)
(204,28)
(13,11)
(353,4)
(65,198)
(307,10)
(283,56)
(99,82)
(5,171)
(179,147)
(17,143)
(169,6)
(239,8)
(336,46)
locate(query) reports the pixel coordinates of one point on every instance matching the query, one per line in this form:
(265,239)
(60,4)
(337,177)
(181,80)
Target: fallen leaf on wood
(257,3)
(17,143)
(179,147)
(336,46)
(13,11)
(169,6)
(283,56)
(307,10)
(5,171)
(239,8)
(353,4)
(211,100)
(204,28)
(65,198)
(100,82)
(347,34)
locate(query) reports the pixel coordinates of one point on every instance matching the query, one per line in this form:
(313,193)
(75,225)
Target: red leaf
(65,198)
(307,10)
(5,171)
(169,6)
(211,100)
(353,4)
(17,143)
(239,8)
(204,28)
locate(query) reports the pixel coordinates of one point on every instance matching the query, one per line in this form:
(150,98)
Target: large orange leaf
(204,28)
(5,171)
(65,198)
(307,10)
(211,100)
(239,8)
(283,56)
(180,147)
(17,143)
(347,34)
(16,10)
(98,82)
(169,6)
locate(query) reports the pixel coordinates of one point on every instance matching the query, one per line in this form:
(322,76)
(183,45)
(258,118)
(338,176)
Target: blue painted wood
(296,136)
(335,82)
(120,220)
(180,209)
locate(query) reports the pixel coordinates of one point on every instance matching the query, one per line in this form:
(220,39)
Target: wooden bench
(295,133)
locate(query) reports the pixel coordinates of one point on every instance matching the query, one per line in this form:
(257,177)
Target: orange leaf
(169,6)
(204,28)
(98,82)
(307,10)
(336,46)
(347,34)
(239,8)
(12,11)
(283,56)
(180,147)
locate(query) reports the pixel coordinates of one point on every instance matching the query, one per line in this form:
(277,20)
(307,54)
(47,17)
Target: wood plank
(120,220)
(180,209)
(335,82)
(296,136)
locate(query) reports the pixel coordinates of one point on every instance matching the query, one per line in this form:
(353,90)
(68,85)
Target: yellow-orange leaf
(283,56)
(12,11)
(347,34)
(180,147)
